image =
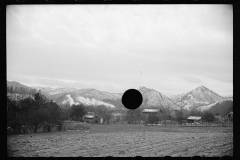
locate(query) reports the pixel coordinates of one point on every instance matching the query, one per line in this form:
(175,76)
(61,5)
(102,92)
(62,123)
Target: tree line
(206,116)
(31,114)
(166,114)
(37,112)
(22,90)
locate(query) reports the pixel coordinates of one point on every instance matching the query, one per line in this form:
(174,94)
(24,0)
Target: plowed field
(125,140)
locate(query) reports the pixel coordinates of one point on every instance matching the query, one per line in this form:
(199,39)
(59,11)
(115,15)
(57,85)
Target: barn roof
(150,110)
(90,116)
(229,113)
(194,118)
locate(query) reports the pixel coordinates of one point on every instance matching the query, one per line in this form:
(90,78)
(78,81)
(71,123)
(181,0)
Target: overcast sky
(170,48)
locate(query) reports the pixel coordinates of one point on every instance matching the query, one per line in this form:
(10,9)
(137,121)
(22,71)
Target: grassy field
(125,140)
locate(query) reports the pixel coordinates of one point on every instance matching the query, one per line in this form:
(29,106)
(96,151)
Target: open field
(125,140)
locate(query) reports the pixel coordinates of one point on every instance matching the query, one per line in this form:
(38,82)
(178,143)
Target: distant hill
(17,91)
(229,97)
(54,93)
(18,88)
(221,107)
(16,84)
(75,98)
(96,94)
(200,96)
(153,98)
(17,97)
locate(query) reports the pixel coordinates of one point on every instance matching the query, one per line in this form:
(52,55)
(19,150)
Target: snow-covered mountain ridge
(70,99)
(200,98)
(153,98)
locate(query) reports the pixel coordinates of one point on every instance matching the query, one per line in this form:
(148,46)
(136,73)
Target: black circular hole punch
(132,99)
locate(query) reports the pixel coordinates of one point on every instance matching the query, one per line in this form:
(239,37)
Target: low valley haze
(169,48)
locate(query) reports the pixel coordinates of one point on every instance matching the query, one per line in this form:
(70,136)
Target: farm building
(91,113)
(150,111)
(147,112)
(229,115)
(91,118)
(193,119)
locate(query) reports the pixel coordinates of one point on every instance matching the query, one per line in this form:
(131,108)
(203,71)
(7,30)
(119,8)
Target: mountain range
(200,98)
(16,84)
(153,98)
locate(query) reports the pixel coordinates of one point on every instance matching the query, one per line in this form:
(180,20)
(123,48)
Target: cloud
(226,78)
(192,79)
(87,45)
(40,81)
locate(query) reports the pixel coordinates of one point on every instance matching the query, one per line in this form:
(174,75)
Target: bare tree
(179,116)
(130,116)
(108,115)
(137,115)
(168,111)
(208,117)
(77,112)
(104,112)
